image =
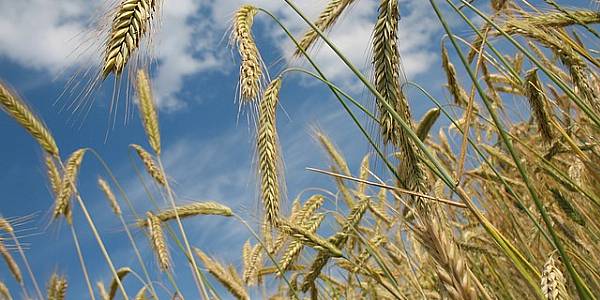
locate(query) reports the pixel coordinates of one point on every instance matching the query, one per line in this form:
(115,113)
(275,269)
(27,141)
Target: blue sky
(209,153)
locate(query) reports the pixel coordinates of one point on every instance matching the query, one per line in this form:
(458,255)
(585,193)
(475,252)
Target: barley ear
(18,110)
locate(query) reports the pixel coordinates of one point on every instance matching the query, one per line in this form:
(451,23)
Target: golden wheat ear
(148,110)
(57,287)
(130,24)
(18,110)
(251,66)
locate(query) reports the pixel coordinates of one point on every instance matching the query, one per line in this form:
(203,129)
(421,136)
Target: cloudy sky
(46,48)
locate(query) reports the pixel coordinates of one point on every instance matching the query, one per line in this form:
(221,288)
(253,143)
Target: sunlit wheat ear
(550,38)
(308,238)
(5,225)
(325,21)
(62,203)
(456,90)
(158,241)
(102,290)
(114,284)
(338,240)
(333,152)
(251,65)
(4,292)
(427,122)
(141,294)
(553,282)
(190,210)
(11,263)
(269,160)
(564,18)
(130,23)
(252,263)
(18,110)
(57,287)
(295,247)
(539,104)
(225,277)
(150,165)
(53,174)
(386,69)
(148,110)
(110,196)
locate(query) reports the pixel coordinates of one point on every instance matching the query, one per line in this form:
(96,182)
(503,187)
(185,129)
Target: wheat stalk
(250,68)
(110,196)
(150,164)
(18,110)
(130,23)
(229,280)
(268,153)
(327,18)
(158,241)
(148,110)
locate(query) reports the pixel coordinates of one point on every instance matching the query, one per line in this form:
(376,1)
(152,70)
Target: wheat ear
(268,153)
(4,292)
(57,287)
(53,174)
(150,164)
(250,68)
(226,278)
(62,203)
(158,241)
(553,283)
(110,196)
(190,210)
(130,24)
(114,284)
(11,263)
(148,110)
(538,103)
(18,110)
(326,20)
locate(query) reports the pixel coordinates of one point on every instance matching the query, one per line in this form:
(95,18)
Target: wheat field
(490,194)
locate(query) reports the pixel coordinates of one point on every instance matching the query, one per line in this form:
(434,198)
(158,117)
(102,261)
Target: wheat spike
(110,196)
(427,122)
(538,103)
(4,292)
(141,294)
(114,284)
(333,152)
(148,110)
(57,287)
(102,290)
(18,110)
(150,165)
(5,225)
(62,202)
(53,175)
(158,241)
(252,264)
(327,18)
(130,23)
(308,238)
(11,263)
(553,282)
(226,278)
(456,90)
(563,18)
(250,68)
(294,248)
(190,210)
(268,153)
